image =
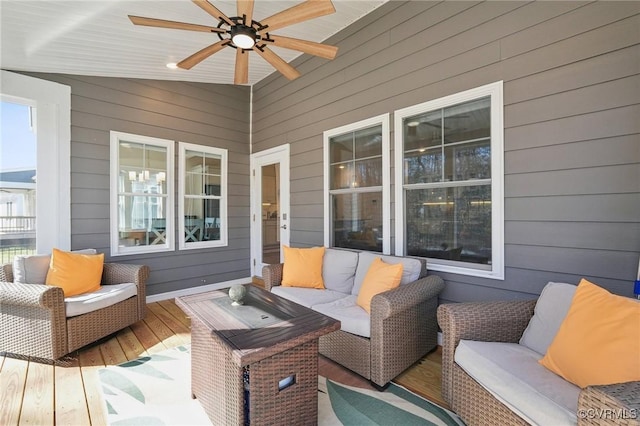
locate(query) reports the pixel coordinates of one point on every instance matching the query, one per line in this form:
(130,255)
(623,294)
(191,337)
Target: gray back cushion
(339,269)
(551,308)
(33,268)
(411,268)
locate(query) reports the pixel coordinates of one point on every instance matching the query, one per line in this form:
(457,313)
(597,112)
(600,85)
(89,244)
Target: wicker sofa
(34,320)
(506,321)
(402,322)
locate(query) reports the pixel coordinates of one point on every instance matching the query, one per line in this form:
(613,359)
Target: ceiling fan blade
(161,23)
(213,11)
(310,47)
(245,8)
(242,67)
(201,55)
(299,13)
(277,62)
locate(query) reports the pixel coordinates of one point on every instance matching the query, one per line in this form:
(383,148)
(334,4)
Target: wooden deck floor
(67,392)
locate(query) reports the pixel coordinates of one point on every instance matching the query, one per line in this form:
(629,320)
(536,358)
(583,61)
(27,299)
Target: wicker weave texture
(349,350)
(87,328)
(617,404)
(272,275)
(293,405)
(217,382)
(34,323)
(215,379)
(32,320)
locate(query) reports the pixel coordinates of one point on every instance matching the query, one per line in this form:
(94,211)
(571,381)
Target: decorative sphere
(237,293)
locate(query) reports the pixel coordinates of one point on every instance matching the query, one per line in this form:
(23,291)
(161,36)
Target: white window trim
(495,90)
(169,245)
(386,176)
(223,153)
(53,125)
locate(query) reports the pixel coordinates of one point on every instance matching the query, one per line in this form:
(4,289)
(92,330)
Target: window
(357,176)
(450,165)
(141,194)
(203,196)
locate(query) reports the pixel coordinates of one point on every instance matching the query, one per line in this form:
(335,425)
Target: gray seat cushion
(107,295)
(307,296)
(353,319)
(551,309)
(339,269)
(512,374)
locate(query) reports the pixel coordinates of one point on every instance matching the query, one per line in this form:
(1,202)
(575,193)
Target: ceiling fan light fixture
(243,36)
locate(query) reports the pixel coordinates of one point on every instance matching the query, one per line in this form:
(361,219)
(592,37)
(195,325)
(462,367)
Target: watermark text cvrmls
(608,413)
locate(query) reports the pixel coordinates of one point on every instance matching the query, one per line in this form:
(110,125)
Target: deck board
(12,381)
(69,392)
(90,362)
(38,402)
(70,400)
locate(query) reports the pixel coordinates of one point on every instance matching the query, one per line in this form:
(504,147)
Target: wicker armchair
(403,329)
(506,322)
(33,320)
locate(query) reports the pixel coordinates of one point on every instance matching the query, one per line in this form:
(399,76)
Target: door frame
(279,154)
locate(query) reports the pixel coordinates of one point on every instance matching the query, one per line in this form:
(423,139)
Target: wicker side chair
(403,329)
(33,320)
(505,322)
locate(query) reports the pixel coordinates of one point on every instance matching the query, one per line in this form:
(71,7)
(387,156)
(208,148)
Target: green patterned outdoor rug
(156,390)
(344,405)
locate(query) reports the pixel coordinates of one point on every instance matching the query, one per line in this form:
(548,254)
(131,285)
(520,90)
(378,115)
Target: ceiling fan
(245,34)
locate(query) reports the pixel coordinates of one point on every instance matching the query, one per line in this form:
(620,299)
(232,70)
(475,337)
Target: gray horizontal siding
(211,115)
(571,73)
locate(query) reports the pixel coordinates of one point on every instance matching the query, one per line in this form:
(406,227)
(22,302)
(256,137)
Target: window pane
(341,148)
(468,121)
(212,185)
(341,175)
(423,130)
(368,142)
(423,167)
(449,223)
(468,161)
(211,220)
(357,221)
(193,219)
(193,184)
(202,173)
(132,155)
(141,220)
(142,168)
(155,157)
(368,172)
(212,164)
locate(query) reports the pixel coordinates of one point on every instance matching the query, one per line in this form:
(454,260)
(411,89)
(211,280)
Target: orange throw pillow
(380,277)
(598,342)
(303,267)
(75,273)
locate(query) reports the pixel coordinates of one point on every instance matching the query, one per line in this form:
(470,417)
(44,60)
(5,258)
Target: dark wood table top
(286,324)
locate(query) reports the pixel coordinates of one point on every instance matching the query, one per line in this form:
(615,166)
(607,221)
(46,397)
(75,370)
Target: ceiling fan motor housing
(243,36)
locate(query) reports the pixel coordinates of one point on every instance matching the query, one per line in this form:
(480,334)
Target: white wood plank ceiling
(96,37)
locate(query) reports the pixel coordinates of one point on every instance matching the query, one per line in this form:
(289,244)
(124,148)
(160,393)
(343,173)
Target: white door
(270,217)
